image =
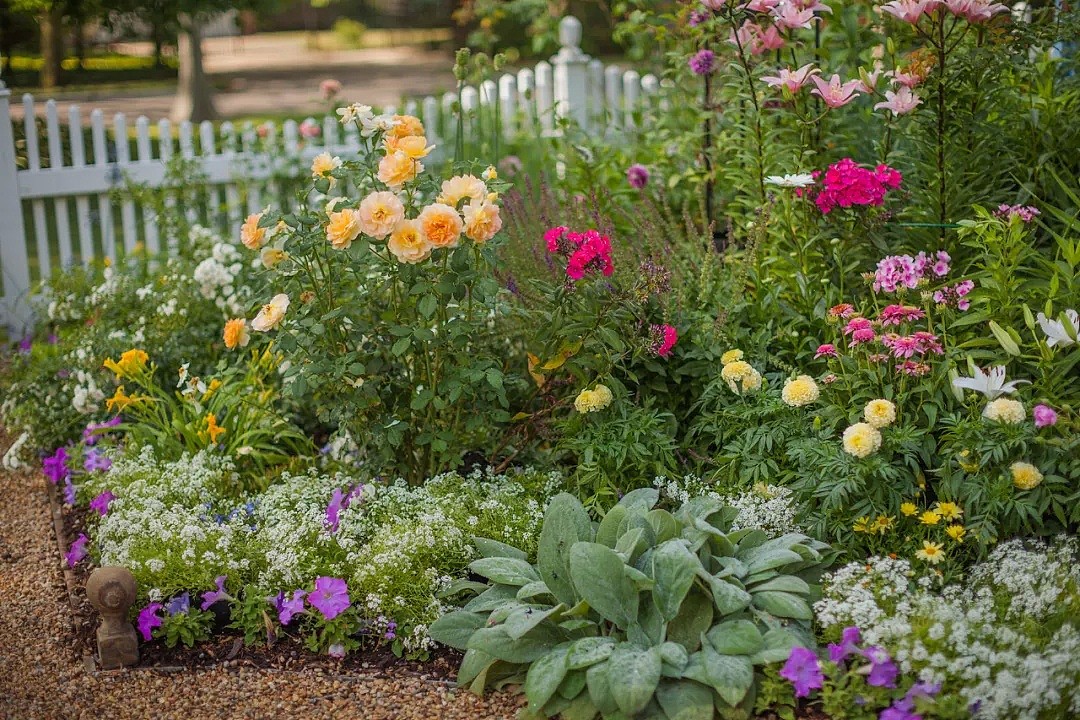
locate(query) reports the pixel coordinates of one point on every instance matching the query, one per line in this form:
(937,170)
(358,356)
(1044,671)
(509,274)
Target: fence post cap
(570,40)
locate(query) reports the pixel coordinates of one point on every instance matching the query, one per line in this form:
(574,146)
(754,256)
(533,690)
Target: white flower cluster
(1007,640)
(217,277)
(86,395)
(768,507)
(11,460)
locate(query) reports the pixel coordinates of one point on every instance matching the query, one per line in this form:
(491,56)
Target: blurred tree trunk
(51,25)
(194,94)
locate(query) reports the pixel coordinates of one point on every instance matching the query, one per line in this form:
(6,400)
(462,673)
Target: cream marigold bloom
(931,552)
(408,243)
(593,400)
(251,235)
(441,225)
(482,220)
(236,333)
(1025,476)
(379,213)
(603,395)
(397,168)
(1005,410)
(323,165)
(880,413)
(862,440)
(343,228)
(414,146)
(271,314)
(800,391)
(405,126)
(731,356)
(741,377)
(461,187)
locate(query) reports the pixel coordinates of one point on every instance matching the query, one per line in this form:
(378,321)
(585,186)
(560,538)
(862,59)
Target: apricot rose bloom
(397,168)
(251,234)
(414,146)
(405,126)
(236,333)
(271,314)
(323,164)
(343,228)
(460,187)
(408,243)
(441,225)
(482,220)
(379,213)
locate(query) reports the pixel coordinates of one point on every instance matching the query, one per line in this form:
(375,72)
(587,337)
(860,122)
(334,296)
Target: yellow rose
(861,440)
(731,356)
(1004,410)
(408,243)
(441,225)
(379,213)
(397,168)
(405,126)
(236,333)
(460,187)
(271,314)
(323,165)
(482,220)
(1025,476)
(414,146)
(880,413)
(800,391)
(251,235)
(343,228)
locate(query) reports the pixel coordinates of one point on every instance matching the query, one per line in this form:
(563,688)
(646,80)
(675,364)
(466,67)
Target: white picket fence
(61,210)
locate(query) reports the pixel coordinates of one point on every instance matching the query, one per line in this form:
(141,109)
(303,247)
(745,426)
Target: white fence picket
(37,206)
(102,163)
(82,202)
(123,159)
(146,156)
(60,206)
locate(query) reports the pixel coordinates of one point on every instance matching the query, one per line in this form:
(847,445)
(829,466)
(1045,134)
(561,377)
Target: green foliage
(190,627)
(649,611)
(349,32)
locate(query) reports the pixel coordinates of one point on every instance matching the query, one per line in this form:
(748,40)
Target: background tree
(50,18)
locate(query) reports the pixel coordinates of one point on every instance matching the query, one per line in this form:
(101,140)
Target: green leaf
(694,619)
(399,347)
(497,643)
(505,571)
(608,531)
(526,618)
(493,548)
(783,605)
(633,675)
(735,637)
(728,598)
(454,629)
(427,305)
(730,675)
(642,499)
(685,700)
(474,662)
(580,708)
(532,590)
(597,572)
(544,677)
(589,651)
(565,523)
(596,679)
(777,648)
(770,559)
(663,524)
(783,583)
(491,598)
(673,568)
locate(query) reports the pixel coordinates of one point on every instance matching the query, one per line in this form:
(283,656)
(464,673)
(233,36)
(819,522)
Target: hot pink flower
(845,184)
(593,253)
(662,339)
(900,103)
(897,314)
(843,310)
(834,93)
(1044,415)
(793,80)
(826,350)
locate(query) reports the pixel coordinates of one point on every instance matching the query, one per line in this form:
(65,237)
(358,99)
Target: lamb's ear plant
(647,614)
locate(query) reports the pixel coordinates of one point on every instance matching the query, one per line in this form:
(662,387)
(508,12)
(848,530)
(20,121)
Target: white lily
(1056,332)
(989,384)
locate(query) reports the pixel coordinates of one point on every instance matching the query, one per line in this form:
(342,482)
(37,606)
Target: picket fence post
(570,66)
(14,261)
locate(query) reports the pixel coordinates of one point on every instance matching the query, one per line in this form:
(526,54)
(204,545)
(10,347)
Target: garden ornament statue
(112,591)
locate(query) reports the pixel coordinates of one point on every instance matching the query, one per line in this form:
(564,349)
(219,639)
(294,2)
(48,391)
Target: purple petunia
(26,344)
(69,492)
(55,466)
(330,597)
(96,462)
(337,502)
(803,670)
(77,551)
(390,630)
(702,62)
(849,641)
(288,608)
(100,504)
(883,670)
(212,596)
(148,620)
(90,433)
(637,175)
(179,605)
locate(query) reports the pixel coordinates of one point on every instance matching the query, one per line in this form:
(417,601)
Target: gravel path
(42,676)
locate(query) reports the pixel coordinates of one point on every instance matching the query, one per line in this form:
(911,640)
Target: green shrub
(349,32)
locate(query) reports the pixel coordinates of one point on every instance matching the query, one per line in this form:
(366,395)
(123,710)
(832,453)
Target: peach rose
(482,220)
(251,234)
(415,146)
(271,314)
(460,187)
(441,225)
(343,228)
(408,243)
(406,126)
(397,168)
(323,164)
(379,213)
(236,333)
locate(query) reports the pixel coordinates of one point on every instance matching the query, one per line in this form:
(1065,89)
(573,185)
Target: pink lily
(908,80)
(909,10)
(788,15)
(793,80)
(834,93)
(900,103)
(760,6)
(868,81)
(768,39)
(975,11)
(743,37)
(813,6)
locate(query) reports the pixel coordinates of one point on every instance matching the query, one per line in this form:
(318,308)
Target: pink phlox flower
(330,597)
(793,80)
(899,103)
(148,620)
(1026,213)
(592,254)
(555,238)
(897,314)
(826,350)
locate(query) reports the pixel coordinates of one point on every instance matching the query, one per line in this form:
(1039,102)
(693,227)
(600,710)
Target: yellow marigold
(236,333)
(592,400)
(861,525)
(603,395)
(879,413)
(405,126)
(271,314)
(379,212)
(460,187)
(397,168)
(861,440)
(800,391)
(408,243)
(956,532)
(441,225)
(323,164)
(931,552)
(1005,410)
(908,509)
(414,146)
(930,517)
(741,377)
(343,228)
(251,234)
(949,510)
(731,356)
(130,362)
(1025,476)
(482,220)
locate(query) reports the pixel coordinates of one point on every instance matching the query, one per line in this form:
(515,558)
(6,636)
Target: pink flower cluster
(903,271)
(662,339)
(846,184)
(897,314)
(861,331)
(586,252)
(919,343)
(955,296)
(974,11)
(1026,213)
